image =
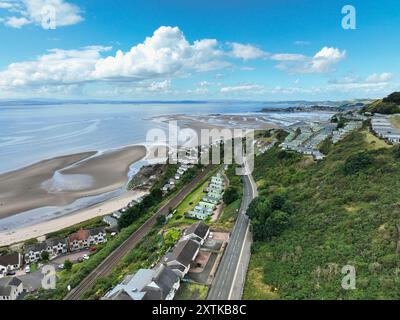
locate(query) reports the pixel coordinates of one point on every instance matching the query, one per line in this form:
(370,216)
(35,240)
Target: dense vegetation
(231,194)
(388,105)
(135,212)
(345,210)
(269,216)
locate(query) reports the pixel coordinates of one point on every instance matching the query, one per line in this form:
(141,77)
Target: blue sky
(255,50)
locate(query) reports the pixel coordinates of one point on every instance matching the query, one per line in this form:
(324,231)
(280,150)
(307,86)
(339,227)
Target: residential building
(182,256)
(10,262)
(54,247)
(198,232)
(111,221)
(10,288)
(85,238)
(160,283)
(117,215)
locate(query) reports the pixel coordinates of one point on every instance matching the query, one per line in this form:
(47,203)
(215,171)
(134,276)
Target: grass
(395,121)
(255,288)
(230,212)
(374,142)
(190,202)
(191,291)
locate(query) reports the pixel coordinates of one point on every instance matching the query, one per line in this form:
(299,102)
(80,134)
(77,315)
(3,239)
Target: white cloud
(248,88)
(166,54)
(209,84)
(321,62)
(15,22)
(382,77)
(246,51)
(57,67)
(288,57)
(26,12)
(5,5)
(162,86)
(198,91)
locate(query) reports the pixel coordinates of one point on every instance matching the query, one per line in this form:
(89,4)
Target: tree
(276,223)
(68,265)
(358,162)
(269,216)
(231,195)
(45,256)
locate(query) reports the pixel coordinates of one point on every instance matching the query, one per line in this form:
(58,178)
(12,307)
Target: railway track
(109,263)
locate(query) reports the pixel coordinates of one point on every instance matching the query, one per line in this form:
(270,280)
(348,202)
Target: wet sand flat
(23,190)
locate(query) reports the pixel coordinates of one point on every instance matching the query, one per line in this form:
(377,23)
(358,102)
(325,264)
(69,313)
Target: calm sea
(36,132)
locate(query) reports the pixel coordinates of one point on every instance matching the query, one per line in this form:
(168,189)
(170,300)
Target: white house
(182,256)
(83,239)
(54,247)
(160,283)
(10,262)
(10,288)
(198,232)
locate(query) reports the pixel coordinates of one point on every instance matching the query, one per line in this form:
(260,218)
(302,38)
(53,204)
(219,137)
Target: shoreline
(11,237)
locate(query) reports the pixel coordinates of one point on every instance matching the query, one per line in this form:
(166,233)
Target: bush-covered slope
(345,212)
(388,105)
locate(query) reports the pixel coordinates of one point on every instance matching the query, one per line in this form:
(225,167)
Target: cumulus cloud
(382,77)
(15,22)
(165,54)
(247,51)
(321,62)
(56,67)
(25,12)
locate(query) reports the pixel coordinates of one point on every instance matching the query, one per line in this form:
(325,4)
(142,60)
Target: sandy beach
(41,229)
(62,180)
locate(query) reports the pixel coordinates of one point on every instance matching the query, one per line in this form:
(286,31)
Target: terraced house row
(79,240)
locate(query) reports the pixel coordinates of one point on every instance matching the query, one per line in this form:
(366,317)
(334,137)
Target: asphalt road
(223,284)
(115,257)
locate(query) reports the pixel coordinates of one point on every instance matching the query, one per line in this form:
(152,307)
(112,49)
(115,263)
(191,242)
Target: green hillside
(388,105)
(343,211)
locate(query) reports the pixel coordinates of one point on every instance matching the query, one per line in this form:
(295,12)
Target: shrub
(358,162)
(231,195)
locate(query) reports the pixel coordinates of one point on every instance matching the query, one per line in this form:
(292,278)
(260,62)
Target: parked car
(93,249)
(11,273)
(86,257)
(80,259)
(27,269)
(61,267)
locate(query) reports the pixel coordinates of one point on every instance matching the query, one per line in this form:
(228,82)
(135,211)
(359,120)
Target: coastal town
(196,253)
